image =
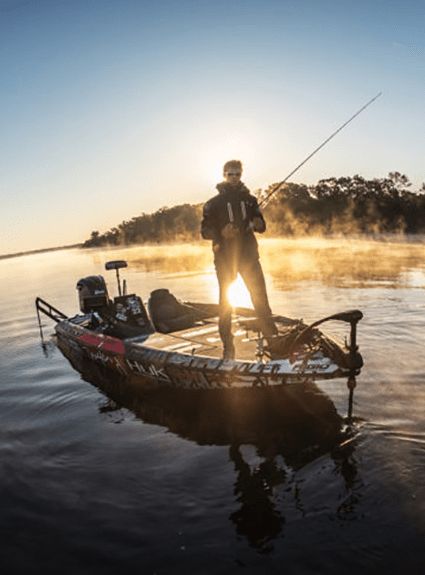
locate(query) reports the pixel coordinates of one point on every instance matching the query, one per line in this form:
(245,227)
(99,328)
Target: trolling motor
(352,359)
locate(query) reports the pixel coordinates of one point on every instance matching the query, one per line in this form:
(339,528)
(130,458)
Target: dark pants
(252,274)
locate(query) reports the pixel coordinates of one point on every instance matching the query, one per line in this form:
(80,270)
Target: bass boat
(170,343)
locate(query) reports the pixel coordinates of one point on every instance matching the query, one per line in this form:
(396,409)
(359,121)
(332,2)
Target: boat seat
(168,314)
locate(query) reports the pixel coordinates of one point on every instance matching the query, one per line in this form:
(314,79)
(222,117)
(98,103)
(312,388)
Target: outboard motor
(93,294)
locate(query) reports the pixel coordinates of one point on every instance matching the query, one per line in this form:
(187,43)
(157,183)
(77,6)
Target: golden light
(238,294)
(227,139)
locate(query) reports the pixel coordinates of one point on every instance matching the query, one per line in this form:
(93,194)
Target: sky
(111,108)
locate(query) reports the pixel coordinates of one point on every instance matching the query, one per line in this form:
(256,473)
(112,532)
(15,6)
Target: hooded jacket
(234,204)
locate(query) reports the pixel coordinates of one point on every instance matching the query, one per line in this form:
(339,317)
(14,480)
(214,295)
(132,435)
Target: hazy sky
(109,108)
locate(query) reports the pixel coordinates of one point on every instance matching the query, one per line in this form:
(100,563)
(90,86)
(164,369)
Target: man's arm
(257,223)
(209,229)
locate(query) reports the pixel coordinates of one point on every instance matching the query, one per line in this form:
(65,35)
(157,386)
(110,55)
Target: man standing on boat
(230,220)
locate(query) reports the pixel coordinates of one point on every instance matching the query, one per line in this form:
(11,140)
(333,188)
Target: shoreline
(39,251)
(384,238)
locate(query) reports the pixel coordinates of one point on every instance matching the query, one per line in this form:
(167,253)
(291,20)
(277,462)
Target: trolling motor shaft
(356,359)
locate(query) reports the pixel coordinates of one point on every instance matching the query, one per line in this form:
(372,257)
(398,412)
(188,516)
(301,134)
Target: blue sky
(111,108)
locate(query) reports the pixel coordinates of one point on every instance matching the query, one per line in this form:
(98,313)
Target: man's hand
(257,225)
(229,232)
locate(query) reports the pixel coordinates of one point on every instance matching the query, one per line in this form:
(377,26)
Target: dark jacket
(233,204)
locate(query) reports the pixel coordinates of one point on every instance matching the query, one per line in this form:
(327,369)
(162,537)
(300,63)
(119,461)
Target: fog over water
(96,481)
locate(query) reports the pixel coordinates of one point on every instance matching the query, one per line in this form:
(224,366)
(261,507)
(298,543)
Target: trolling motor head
(117,265)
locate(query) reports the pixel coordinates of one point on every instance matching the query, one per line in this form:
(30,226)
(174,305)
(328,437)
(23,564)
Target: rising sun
(238,294)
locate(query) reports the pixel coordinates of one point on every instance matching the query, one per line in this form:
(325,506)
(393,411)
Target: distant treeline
(346,205)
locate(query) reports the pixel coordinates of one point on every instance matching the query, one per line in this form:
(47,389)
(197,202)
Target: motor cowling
(93,294)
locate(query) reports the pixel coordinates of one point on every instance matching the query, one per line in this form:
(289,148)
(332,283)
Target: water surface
(96,481)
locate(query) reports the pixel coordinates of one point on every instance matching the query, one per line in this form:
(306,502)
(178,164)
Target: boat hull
(147,367)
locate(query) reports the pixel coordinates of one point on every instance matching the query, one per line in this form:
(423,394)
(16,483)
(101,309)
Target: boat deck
(204,340)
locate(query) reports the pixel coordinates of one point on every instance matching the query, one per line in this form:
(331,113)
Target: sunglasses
(233,174)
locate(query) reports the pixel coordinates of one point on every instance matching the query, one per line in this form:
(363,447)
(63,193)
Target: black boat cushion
(168,314)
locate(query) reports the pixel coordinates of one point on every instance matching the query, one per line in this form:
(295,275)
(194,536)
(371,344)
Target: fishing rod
(328,139)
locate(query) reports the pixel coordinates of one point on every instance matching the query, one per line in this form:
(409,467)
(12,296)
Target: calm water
(96,481)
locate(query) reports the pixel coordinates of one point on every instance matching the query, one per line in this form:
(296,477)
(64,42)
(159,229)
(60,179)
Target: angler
(230,220)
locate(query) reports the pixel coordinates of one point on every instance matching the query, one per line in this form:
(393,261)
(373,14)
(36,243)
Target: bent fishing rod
(328,139)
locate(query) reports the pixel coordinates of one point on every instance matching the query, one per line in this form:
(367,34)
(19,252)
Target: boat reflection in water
(282,428)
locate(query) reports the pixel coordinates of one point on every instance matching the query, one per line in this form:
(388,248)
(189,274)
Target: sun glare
(226,143)
(238,294)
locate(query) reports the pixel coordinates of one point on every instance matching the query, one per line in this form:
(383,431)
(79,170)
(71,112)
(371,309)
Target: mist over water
(96,481)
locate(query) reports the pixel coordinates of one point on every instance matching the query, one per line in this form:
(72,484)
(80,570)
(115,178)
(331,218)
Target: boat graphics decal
(106,343)
(177,369)
(113,361)
(150,369)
